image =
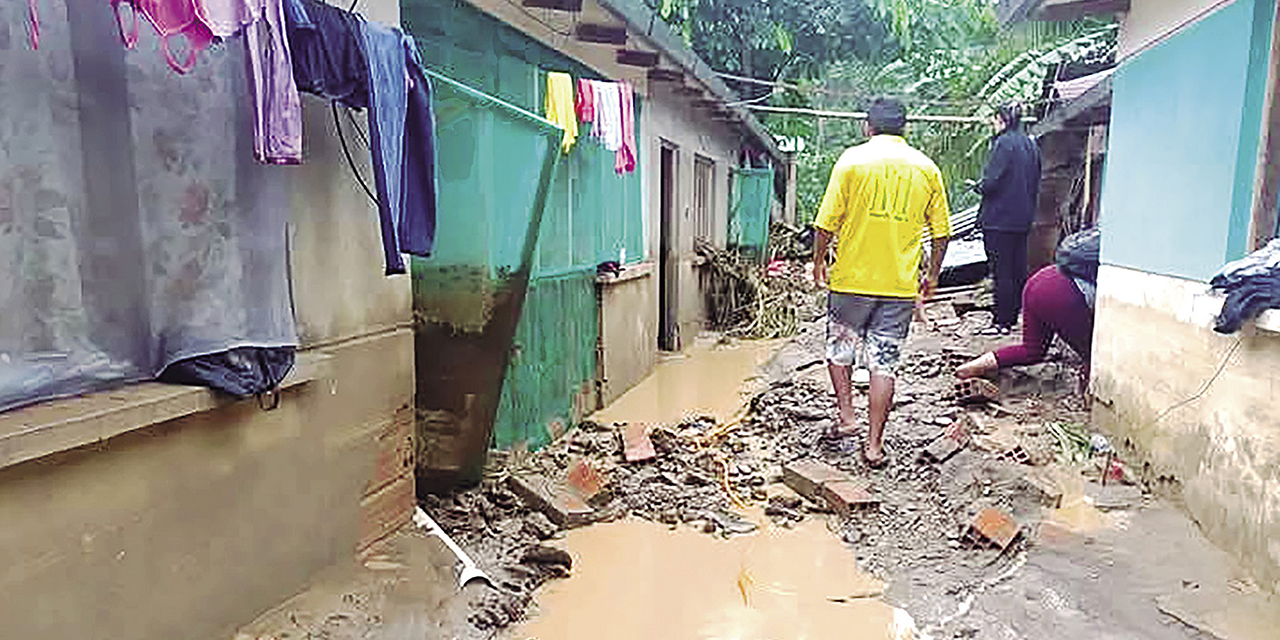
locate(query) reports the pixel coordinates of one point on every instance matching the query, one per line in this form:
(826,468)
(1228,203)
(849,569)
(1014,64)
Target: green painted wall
(592,215)
(1185,126)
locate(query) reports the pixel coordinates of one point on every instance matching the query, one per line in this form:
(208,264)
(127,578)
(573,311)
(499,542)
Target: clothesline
(862,115)
(309,46)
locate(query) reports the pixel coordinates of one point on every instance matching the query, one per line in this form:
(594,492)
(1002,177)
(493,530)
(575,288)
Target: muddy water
(707,380)
(638,580)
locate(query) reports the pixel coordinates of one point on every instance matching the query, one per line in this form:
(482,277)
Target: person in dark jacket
(1010,186)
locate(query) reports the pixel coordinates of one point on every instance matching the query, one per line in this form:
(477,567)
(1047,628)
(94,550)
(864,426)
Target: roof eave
(643,21)
(1011,11)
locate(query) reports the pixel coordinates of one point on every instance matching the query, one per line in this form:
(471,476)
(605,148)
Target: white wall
(673,120)
(1149,20)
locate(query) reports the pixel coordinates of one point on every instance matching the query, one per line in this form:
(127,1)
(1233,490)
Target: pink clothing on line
(625,157)
(585,101)
(171,19)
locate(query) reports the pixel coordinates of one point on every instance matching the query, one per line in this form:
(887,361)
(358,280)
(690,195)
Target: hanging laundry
(33,18)
(607,124)
(341,57)
(402,142)
(1251,284)
(277,108)
(328,52)
(171,19)
(584,102)
(418,214)
(625,158)
(388,98)
(560,107)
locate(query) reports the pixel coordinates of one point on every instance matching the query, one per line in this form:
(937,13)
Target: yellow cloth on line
(560,107)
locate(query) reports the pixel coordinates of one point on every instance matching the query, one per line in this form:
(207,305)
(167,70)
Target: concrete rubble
(964,469)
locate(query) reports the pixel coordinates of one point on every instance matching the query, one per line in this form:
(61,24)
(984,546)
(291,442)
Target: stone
(554,562)
(806,477)
(636,444)
(806,412)
(942,449)
(846,496)
(1044,487)
(1114,496)
(993,528)
(558,503)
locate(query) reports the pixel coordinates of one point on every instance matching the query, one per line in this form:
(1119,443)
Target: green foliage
(941,57)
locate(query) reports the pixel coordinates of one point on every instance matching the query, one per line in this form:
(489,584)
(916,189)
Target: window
(704,171)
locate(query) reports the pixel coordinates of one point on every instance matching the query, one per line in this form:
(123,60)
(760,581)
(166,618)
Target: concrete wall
(628,331)
(190,528)
(672,120)
(1153,352)
(1185,127)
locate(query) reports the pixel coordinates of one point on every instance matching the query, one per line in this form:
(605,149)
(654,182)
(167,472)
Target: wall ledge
(629,272)
(64,424)
(1205,308)
(1190,301)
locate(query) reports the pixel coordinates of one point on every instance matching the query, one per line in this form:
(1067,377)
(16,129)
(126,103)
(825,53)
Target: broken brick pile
(959,491)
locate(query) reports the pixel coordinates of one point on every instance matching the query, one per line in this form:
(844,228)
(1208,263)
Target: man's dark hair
(1011,113)
(887,116)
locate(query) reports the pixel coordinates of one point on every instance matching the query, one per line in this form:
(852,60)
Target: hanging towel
(625,158)
(585,102)
(608,116)
(560,107)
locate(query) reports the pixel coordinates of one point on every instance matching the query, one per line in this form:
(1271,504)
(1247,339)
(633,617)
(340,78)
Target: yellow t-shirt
(882,195)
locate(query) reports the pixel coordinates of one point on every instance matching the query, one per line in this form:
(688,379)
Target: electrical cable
(1222,366)
(346,150)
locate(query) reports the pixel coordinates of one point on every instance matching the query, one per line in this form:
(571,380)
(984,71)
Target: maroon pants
(1051,305)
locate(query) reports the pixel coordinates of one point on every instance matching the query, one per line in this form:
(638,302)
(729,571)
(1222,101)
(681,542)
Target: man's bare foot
(874,457)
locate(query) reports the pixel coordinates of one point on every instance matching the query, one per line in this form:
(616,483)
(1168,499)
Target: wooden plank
(386,511)
(395,451)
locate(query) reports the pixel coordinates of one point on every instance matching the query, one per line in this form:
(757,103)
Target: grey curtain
(135,227)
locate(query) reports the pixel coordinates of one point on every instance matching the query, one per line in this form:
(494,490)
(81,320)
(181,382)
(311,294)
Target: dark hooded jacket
(1010,183)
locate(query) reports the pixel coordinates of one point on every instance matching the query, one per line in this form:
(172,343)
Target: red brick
(807,476)
(976,390)
(636,445)
(558,503)
(584,479)
(993,528)
(846,496)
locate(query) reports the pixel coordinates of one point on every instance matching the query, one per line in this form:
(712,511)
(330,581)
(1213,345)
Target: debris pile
(748,300)
(961,498)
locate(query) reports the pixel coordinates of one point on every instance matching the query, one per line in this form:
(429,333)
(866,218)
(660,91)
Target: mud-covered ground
(1139,570)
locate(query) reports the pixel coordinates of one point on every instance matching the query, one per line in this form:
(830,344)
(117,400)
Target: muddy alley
(713,501)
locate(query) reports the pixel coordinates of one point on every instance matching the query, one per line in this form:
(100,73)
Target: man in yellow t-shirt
(882,196)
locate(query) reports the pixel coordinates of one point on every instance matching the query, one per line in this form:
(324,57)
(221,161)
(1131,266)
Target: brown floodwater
(706,380)
(635,580)
(640,580)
